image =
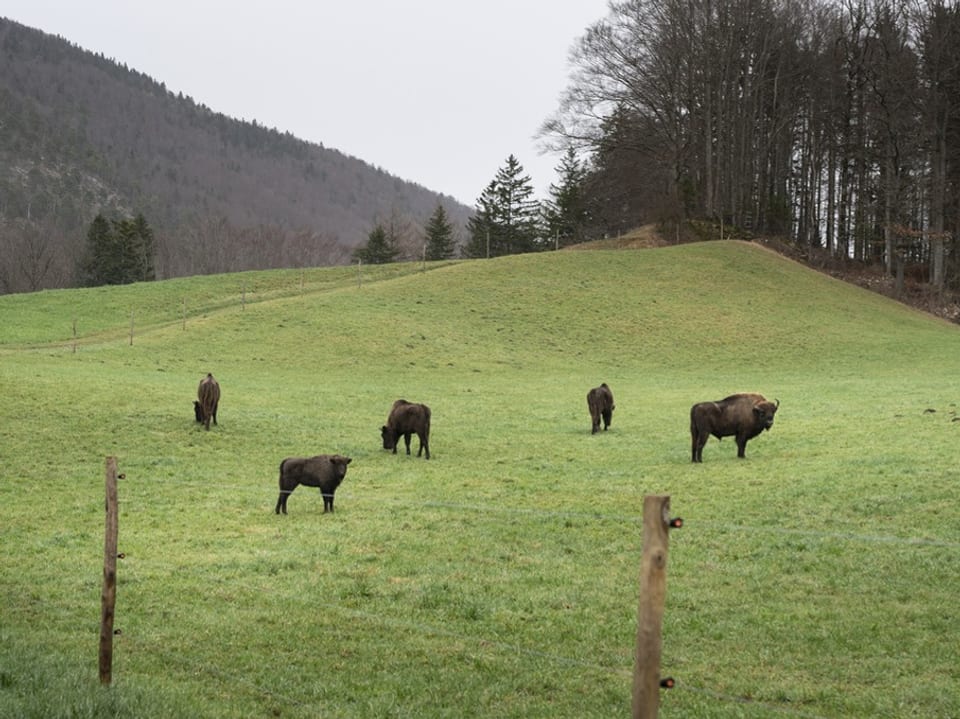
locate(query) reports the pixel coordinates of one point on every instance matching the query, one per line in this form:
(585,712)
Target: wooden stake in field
(108,597)
(653,594)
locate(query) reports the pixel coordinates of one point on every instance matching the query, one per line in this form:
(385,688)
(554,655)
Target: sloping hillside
(83,134)
(499,578)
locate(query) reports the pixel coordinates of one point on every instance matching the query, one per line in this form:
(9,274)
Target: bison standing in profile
(405,419)
(600,404)
(208,397)
(743,416)
(325,471)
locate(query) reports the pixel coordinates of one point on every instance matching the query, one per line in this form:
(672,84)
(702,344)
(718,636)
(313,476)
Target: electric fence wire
(487,644)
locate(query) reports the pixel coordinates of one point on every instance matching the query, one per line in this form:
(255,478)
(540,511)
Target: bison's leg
(699,439)
(327,503)
(424,445)
(742,446)
(406,439)
(284,496)
(607,415)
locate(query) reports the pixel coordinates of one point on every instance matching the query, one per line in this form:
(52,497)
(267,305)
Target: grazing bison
(405,419)
(325,471)
(208,397)
(600,404)
(741,415)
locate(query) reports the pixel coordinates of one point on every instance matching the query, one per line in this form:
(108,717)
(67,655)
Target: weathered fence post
(131,328)
(108,597)
(653,593)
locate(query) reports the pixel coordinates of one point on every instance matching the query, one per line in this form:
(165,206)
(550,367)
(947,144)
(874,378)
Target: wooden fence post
(108,597)
(653,593)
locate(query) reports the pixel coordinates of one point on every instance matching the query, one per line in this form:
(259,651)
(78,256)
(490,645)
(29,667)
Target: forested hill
(82,134)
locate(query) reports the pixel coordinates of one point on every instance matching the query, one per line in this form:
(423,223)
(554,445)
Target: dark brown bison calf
(406,418)
(600,404)
(743,416)
(325,471)
(208,397)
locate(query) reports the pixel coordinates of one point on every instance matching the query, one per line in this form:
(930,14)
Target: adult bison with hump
(405,419)
(600,404)
(208,397)
(743,416)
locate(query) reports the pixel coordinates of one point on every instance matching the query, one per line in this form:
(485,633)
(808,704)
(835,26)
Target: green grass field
(818,577)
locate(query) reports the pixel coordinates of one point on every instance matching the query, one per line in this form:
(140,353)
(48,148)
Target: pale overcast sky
(438,92)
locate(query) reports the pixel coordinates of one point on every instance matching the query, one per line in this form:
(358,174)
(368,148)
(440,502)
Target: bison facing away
(405,419)
(325,471)
(600,404)
(743,416)
(208,397)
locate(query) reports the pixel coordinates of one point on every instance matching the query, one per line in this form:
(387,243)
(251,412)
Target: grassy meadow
(818,577)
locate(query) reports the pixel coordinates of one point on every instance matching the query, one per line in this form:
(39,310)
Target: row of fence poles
(647,680)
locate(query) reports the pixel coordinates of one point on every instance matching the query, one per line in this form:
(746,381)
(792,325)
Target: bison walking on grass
(405,419)
(208,397)
(743,416)
(325,471)
(600,404)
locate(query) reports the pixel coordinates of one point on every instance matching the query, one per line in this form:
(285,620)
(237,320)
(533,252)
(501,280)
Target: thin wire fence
(136,496)
(345,496)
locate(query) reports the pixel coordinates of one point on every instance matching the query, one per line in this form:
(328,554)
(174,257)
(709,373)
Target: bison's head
(197,411)
(389,437)
(763,412)
(340,465)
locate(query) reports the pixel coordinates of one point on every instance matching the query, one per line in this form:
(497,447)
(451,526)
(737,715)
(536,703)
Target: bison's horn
(777,401)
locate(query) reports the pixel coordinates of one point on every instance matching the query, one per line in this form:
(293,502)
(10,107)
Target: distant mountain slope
(81,134)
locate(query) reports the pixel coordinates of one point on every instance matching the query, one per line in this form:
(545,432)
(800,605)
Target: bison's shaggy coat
(208,397)
(325,471)
(406,418)
(600,404)
(743,416)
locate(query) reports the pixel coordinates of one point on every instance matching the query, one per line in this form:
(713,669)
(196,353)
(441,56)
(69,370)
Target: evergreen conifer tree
(146,249)
(378,250)
(565,212)
(118,252)
(507,220)
(98,262)
(439,235)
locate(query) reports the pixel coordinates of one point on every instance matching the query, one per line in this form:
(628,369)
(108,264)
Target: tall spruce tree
(565,211)
(439,235)
(146,249)
(97,265)
(379,250)
(507,220)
